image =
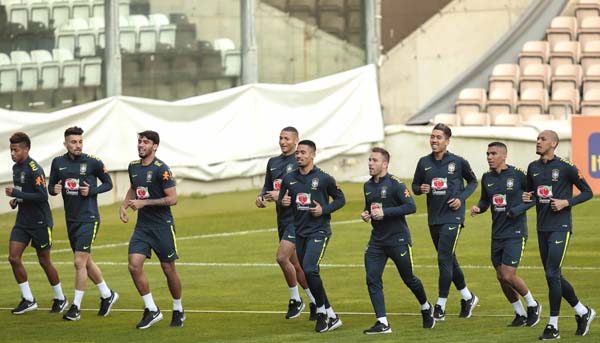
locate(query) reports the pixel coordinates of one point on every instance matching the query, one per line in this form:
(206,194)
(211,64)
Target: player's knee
(552,275)
(14,259)
(134,268)
(310,269)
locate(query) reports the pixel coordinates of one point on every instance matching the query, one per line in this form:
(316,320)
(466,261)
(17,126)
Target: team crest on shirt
(510,184)
(499,201)
(83,168)
(451,167)
(149,176)
(289,168)
(555,174)
(314,183)
(383,192)
(22,177)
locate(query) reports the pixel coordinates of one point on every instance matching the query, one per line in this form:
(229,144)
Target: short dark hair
(309,143)
(498,145)
(444,128)
(20,138)
(383,152)
(74,130)
(290,129)
(151,135)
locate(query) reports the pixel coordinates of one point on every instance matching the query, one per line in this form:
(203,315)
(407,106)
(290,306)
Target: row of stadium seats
(563,52)
(489,119)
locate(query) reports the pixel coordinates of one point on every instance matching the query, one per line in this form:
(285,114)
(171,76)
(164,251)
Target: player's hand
(377,213)
(558,204)
(137,204)
(425,188)
(316,211)
(287,199)
(527,196)
(58,187)
(13,203)
(365,216)
(8,190)
(475,211)
(85,189)
(454,203)
(123,214)
(272,196)
(260,202)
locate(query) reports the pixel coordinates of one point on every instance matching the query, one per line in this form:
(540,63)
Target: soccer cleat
(321,325)
(334,323)
(58,306)
(378,328)
(106,304)
(534,313)
(73,313)
(549,334)
(438,313)
(25,306)
(428,321)
(178,318)
(583,322)
(149,318)
(295,308)
(518,321)
(467,306)
(313,311)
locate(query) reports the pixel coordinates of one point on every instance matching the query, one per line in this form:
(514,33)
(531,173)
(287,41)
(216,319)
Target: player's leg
(304,284)
(285,251)
(440,306)
(375,259)
(16,246)
(43,244)
(550,263)
(167,254)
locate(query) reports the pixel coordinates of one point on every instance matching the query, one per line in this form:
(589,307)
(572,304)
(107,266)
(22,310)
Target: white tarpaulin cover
(215,136)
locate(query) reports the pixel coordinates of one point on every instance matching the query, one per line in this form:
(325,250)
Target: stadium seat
(91,71)
(60,12)
(471,100)
(146,34)
(474,119)
(564,53)
(564,102)
(18,13)
(504,119)
(98,9)
(502,100)
(127,36)
(9,75)
(587,8)
(535,117)
(589,30)
(535,76)
(562,29)
(230,56)
(591,78)
(590,106)
(533,101)
(331,5)
(504,75)
(450,119)
(28,71)
(534,52)
(354,21)
(166,31)
(49,70)
(590,55)
(70,69)
(567,76)
(81,9)
(39,12)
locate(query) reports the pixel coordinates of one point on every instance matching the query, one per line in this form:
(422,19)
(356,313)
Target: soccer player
(75,175)
(152,193)
(502,188)
(441,176)
(277,168)
(387,202)
(550,180)
(33,224)
(307,191)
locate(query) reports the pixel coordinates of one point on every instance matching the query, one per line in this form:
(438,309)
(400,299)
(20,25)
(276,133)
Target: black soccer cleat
(149,318)
(58,306)
(428,321)
(25,306)
(178,318)
(334,323)
(534,313)
(438,313)
(518,321)
(583,322)
(549,334)
(295,308)
(73,313)
(313,311)
(106,304)
(321,324)
(467,306)
(378,328)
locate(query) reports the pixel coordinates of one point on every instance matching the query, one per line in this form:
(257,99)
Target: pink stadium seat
(474,119)
(471,100)
(504,75)
(535,76)
(449,119)
(533,101)
(567,76)
(564,53)
(590,106)
(591,78)
(587,8)
(502,100)
(504,119)
(562,29)
(564,102)
(524,118)
(589,30)
(590,54)
(534,52)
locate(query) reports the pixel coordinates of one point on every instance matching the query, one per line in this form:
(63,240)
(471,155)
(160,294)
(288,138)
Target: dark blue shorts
(508,251)
(287,233)
(40,237)
(82,235)
(160,239)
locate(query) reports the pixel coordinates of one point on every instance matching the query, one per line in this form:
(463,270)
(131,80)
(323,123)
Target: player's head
(305,153)
(288,140)
(379,160)
(147,143)
(496,155)
(74,140)
(547,141)
(440,138)
(19,146)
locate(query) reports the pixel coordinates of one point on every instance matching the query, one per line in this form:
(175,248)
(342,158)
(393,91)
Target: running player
(277,168)
(440,175)
(75,175)
(152,193)
(502,188)
(307,190)
(550,180)
(33,224)
(387,202)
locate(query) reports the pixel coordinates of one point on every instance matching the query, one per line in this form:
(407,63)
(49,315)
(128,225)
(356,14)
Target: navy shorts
(82,235)
(287,233)
(40,237)
(508,251)
(160,239)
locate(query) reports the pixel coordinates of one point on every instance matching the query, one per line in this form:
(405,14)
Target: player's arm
(469,176)
(39,193)
(284,198)
(130,195)
(484,202)
(523,206)
(170,199)
(529,193)
(335,192)
(105,178)
(260,199)
(418,179)
(53,182)
(407,203)
(365,215)
(582,185)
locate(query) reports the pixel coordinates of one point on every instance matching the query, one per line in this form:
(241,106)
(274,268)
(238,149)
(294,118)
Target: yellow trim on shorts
(565,250)
(523,241)
(94,234)
(459,228)
(49,235)
(322,251)
(174,238)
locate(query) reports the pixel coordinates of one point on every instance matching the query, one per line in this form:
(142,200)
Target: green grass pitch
(233,291)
